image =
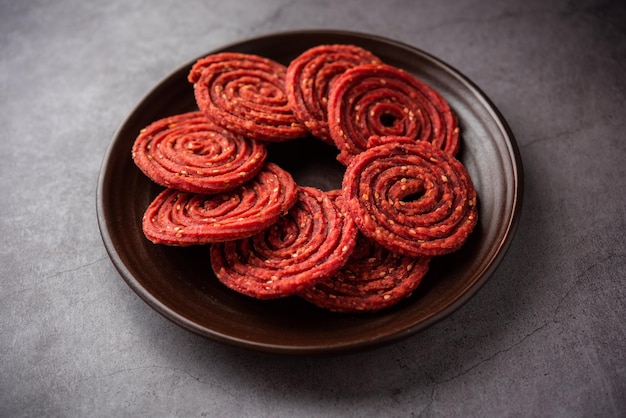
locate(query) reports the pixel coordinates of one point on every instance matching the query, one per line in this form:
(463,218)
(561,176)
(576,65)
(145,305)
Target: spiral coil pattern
(182,218)
(311,242)
(245,94)
(190,153)
(411,197)
(383,100)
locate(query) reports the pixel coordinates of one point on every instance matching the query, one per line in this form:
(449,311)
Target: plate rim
(513,152)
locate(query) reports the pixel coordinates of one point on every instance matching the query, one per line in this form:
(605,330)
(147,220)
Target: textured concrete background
(544,337)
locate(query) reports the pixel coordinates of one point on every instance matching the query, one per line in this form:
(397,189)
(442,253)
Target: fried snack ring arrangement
(245,93)
(374,278)
(180,218)
(383,100)
(188,152)
(405,198)
(410,197)
(310,77)
(310,243)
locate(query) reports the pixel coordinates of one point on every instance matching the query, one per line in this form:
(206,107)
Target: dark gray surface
(544,337)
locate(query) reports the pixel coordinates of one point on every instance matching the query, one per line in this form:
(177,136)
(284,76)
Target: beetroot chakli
(189,152)
(181,218)
(246,94)
(383,100)
(411,197)
(310,243)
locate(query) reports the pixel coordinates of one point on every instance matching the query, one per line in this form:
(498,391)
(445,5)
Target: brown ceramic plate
(179,283)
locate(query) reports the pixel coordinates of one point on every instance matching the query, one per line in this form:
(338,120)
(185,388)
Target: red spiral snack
(245,94)
(307,245)
(383,100)
(310,77)
(190,153)
(372,279)
(410,197)
(182,218)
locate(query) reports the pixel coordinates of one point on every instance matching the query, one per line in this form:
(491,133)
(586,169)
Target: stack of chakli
(405,197)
